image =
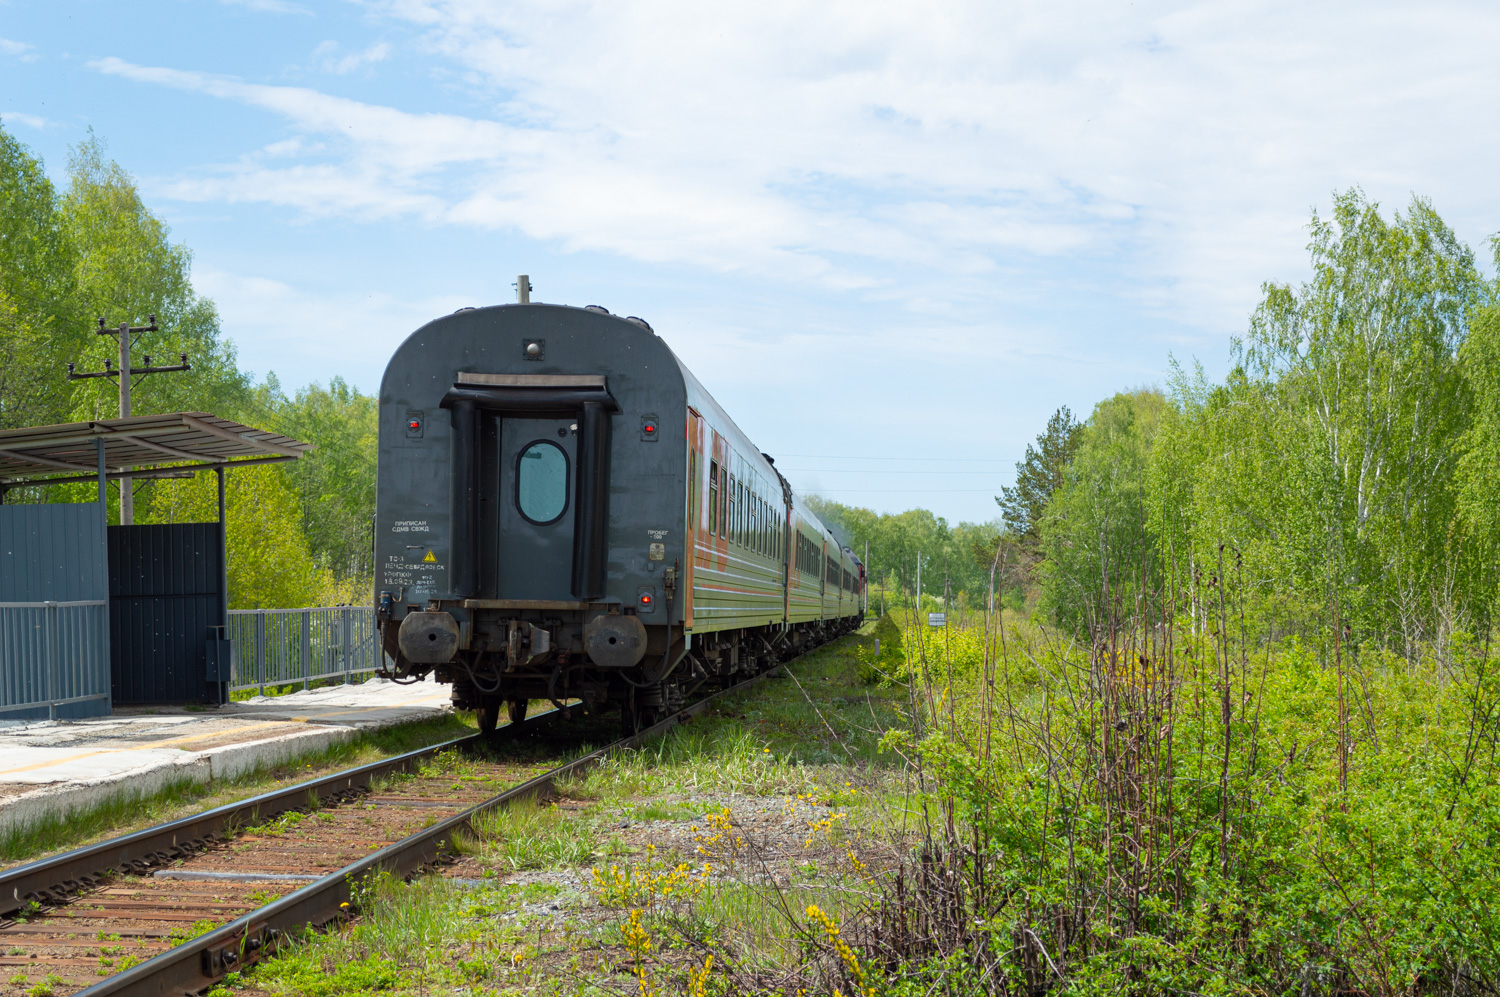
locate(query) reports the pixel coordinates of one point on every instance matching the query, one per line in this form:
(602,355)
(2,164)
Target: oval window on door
(542,482)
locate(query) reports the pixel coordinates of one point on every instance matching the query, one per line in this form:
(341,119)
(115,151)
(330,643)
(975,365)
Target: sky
(891,238)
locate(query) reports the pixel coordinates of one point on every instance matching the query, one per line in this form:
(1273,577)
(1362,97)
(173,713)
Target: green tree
(336,483)
(270,563)
(36,291)
(1039,476)
(959,556)
(25,398)
(1101,564)
(1477,539)
(1362,407)
(125,269)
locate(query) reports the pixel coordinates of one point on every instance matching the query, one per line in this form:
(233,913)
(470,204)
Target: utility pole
(523,290)
(126,335)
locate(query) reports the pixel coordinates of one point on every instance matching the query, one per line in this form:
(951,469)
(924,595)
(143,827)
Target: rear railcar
(530,513)
(563,513)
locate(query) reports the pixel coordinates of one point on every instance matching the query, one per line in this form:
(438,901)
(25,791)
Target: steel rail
(50,879)
(200,962)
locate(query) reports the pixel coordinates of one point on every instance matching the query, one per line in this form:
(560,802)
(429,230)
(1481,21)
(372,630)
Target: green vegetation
(1172,812)
(298,533)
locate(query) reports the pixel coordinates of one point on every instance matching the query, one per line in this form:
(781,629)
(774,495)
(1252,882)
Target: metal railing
(53,654)
(281,647)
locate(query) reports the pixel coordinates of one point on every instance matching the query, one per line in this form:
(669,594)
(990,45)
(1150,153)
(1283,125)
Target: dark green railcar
(564,513)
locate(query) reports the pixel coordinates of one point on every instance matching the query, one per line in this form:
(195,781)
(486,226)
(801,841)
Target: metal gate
(168,614)
(54,612)
(281,648)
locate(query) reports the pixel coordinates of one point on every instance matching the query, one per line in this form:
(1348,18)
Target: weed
(822,924)
(187,932)
(277,826)
(645,884)
(47,987)
(637,942)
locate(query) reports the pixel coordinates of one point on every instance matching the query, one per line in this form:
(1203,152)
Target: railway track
(174,908)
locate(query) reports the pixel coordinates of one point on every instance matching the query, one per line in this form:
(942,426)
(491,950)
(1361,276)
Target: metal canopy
(139,447)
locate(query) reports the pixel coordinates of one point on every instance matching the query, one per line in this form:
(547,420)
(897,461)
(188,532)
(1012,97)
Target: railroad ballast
(564,513)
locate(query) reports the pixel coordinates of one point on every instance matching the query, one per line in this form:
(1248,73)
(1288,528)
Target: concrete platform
(53,767)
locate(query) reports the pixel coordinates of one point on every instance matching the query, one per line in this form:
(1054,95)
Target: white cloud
(1177,146)
(18,50)
(278,325)
(29,120)
(270,6)
(331,58)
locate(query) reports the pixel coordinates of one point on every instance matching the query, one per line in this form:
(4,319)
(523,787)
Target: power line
(913,491)
(870,470)
(944,460)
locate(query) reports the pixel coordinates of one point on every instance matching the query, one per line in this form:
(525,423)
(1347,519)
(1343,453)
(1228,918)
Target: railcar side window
(693,490)
(542,482)
(713,497)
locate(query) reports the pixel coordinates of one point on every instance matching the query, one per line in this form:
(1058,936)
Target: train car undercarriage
(499,675)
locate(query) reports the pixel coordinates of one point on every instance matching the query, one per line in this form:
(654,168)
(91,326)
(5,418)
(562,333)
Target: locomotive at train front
(538,500)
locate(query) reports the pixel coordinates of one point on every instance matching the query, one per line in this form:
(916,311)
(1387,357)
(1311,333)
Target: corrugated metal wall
(166,596)
(54,634)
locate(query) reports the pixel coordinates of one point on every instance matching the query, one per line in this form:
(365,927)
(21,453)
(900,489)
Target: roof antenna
(523,290)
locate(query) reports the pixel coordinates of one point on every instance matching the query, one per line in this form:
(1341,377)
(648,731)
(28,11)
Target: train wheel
(633,721)
(488,715)
(518,710)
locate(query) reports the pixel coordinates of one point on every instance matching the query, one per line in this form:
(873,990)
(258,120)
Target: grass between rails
(129,812)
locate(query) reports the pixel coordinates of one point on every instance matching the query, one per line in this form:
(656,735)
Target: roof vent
(642,323)
(465,308)
(768,457)
(596,308)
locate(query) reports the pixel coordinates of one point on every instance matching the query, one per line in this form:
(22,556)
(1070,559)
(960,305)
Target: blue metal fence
(53,654)
(297,647)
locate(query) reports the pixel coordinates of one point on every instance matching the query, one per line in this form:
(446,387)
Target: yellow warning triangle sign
(430,559)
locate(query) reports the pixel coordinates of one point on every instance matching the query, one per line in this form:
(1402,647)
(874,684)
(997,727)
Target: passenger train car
(564,513)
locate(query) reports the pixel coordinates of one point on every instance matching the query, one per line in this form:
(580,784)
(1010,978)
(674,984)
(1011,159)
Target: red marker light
(650,427)
(414,424)
(645,600)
